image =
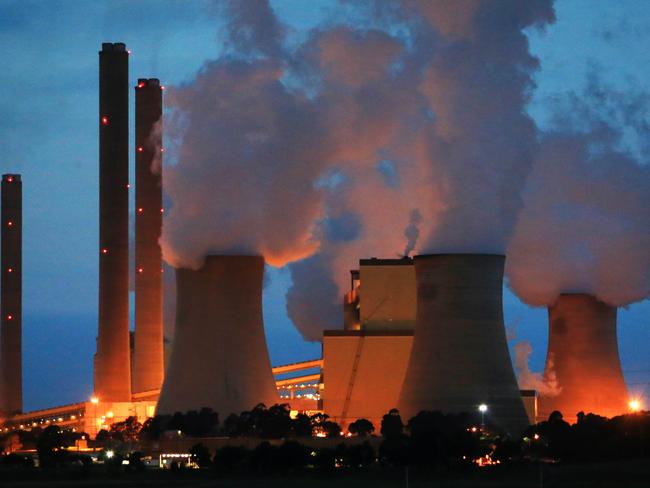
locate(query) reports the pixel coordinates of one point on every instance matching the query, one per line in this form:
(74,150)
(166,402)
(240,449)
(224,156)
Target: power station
(460,356)
(582,359)
(220,359)
(419,334)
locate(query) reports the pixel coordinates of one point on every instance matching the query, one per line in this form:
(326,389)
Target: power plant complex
(422,333)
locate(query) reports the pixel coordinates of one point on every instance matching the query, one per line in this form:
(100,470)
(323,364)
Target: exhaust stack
(112,361)
(460,356)
(11,369)
(219,359)
(148,361)
(583,359)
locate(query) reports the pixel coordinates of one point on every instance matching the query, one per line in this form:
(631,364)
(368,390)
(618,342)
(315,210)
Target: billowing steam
(459,150)
(585,227)
(546,385)
(315,152)
(412,232)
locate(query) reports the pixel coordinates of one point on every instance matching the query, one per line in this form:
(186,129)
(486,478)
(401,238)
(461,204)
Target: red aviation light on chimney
(140,270)
(10,224)
(162,87)
(162,210)
(104,120)
(104,251)
(10,179)
(141,85)
(10,317)
(140,210)
(10,270)
(162,149)
(140,149)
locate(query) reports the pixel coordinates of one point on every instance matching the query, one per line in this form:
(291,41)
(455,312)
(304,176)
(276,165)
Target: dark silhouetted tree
(392,425)
(361,427)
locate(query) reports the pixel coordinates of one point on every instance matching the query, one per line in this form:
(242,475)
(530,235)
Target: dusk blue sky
(48,133)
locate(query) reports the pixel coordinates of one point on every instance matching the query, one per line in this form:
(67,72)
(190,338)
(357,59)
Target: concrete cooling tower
(582,359)
(460,356)
(220,359)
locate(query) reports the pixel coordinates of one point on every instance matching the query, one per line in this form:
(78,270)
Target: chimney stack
(582,359)
(148,361)
(112,361)
(220,359)
(460,357)
(11,370)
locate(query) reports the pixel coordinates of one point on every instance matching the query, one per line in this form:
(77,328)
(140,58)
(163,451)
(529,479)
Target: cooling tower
(11,377)
(112,361)
(148,362)
(582,360)
(460,355)
(219,357)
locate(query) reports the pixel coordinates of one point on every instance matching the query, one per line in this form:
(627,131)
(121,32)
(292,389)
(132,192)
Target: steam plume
(585,227)
(412,232)
(280,148)
(529,380)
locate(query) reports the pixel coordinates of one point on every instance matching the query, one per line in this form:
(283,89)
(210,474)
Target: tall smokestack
(148,361)
(219,359)
(11,368)
(112,362)
(583,359)
(460,356)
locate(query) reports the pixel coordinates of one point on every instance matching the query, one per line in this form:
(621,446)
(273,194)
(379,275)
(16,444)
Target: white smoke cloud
(585,227)
(282,150)
(412,232)
(545,384)
(458,146)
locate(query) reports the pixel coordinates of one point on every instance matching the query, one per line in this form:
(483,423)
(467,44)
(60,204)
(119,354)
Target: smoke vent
(219,357)
(582,359)
(112,361)
(148,361)
(11,376)
(460,355)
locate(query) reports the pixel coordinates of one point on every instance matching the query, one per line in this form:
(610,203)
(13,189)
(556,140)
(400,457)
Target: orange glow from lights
(635,405)
(105,120)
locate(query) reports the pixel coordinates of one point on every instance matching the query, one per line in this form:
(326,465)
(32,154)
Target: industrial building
(366,365)
(418,334)
(582,361)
